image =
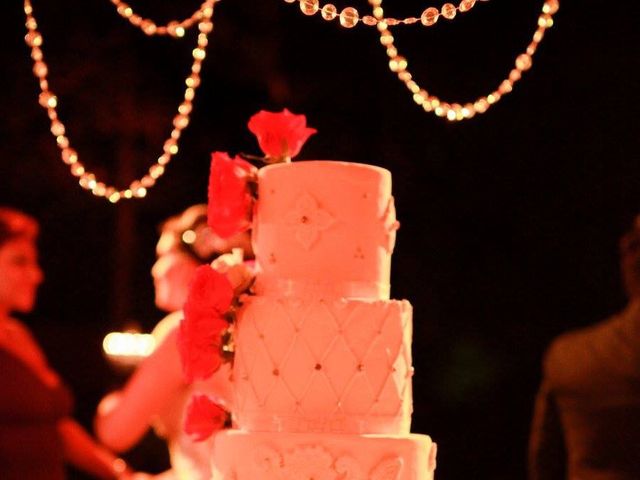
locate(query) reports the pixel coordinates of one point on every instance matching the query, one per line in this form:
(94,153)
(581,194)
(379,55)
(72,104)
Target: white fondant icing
(322,356)
(306,456)
(308,220)
(314,224)
(342,365)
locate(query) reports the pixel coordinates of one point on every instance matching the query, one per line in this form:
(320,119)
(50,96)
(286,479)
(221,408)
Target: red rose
(280,135)
(200,334)
(200,344)
(209,291)
(203,417)
(230,202)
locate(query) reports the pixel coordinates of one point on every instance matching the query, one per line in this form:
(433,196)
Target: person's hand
(109,402)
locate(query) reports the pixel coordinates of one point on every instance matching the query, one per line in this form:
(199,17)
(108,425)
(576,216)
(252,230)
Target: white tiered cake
(322,366)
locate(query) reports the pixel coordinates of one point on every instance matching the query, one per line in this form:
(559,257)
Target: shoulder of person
(17,333)
(586,352)
(582,338)
(167,326)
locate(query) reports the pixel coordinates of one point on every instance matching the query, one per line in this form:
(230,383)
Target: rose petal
(280,135)
(203,417)
(230,201)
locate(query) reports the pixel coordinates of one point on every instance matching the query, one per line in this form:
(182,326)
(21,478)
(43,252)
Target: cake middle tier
(339,365)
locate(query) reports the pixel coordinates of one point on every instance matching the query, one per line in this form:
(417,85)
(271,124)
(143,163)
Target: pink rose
(280,135)
(230,201)
(203,418)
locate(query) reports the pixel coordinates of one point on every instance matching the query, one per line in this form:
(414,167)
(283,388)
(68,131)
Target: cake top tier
(324,227)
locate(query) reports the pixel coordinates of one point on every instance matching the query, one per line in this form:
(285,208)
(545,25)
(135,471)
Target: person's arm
(81,451)
(123,418)
(547,451)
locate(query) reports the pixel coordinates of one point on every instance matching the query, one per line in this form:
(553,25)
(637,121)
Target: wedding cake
(322,362)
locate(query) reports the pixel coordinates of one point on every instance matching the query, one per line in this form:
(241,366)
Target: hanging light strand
(49,101)
(174,28)
(349,17)
(457,111)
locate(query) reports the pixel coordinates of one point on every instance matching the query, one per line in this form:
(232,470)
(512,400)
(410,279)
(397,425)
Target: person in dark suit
(586,423)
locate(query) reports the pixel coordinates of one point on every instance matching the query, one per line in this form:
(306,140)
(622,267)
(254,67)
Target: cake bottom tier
(240,455)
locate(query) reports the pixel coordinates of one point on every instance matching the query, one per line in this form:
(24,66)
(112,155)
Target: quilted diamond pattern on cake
(261,378)
(357,395)
(300,368)
(323,359)
(361,330)
(275,333)
(319,329)
(318,396)
(339,364)
(387,402)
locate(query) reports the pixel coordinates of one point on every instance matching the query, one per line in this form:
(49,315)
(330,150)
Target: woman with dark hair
(37,434)
(157,395)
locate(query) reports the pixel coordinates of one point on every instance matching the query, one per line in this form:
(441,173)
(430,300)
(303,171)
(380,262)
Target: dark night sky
(510,221)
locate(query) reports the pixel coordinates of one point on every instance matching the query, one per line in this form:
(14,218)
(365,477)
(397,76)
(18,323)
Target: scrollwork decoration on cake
(308,219)
(315,462)
(308,463)
(349,469)
(267,459)
(387,469)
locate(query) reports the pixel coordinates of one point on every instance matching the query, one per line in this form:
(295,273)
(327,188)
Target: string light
(457,111)
(349,17)
(128,344)
(173,28)
(48,100)
(128,348)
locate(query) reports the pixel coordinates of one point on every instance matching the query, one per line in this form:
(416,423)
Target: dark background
(510,221)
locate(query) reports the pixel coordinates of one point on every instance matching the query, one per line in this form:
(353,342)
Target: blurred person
(157,395)
(37,434)
(586,423)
